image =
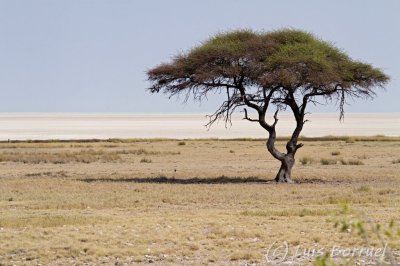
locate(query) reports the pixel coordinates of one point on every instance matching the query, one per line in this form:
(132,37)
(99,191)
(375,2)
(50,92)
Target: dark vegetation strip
(172,180)
(325,138)
(216,180)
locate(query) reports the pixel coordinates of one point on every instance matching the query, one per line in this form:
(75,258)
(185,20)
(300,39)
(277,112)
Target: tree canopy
(286,68)
(290,60)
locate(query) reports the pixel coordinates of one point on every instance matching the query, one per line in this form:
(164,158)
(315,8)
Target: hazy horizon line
(177,113)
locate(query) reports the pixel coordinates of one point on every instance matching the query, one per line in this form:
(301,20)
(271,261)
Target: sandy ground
(194,202)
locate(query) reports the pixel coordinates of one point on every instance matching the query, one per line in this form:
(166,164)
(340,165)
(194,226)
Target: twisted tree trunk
(287,160)
(285,172)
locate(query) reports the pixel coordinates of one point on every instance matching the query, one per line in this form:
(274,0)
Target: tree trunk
(285,172)
(287,160)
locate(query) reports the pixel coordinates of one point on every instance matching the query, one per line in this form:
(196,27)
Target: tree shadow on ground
(215,180)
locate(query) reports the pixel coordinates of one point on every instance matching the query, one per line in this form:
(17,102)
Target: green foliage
(231,44)
(287,57)
(344,207)
(351,222)
(324,260)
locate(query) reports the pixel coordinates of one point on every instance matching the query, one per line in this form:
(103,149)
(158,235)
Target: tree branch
(247,118)
(275,118)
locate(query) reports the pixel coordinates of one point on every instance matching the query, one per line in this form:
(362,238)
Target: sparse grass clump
(351,162)
(386,191)
(181,143)
(145,160)
(306,160)
(325,161)
(335,153)
(396,161)
(240,255)
(81,146)
(363,188)
(142,151)
(49,174)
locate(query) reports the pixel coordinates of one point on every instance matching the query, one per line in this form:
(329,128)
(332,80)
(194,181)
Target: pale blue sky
(91,56)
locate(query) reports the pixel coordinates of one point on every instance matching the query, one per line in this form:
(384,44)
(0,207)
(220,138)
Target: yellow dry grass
(201,202)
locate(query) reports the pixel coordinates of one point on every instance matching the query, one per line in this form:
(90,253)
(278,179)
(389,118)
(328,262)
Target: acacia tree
(287,69)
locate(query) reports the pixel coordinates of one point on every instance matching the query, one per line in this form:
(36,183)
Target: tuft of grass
(325,161)
(363,189)
(351,162)
(181,143)
(145,160)
(240,255)
(335,153)
(386,191)
(396,161)
(306,160)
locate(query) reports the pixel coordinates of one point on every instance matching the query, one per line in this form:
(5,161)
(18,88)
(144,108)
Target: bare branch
(341,106)
(247,118)
(298,146)
(275,118)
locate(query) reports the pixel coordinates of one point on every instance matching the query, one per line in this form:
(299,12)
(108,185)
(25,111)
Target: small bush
(181,143)
(335,153)
(328,161)
(396,161)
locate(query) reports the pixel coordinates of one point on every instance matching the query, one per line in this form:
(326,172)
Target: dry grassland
(186,202)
